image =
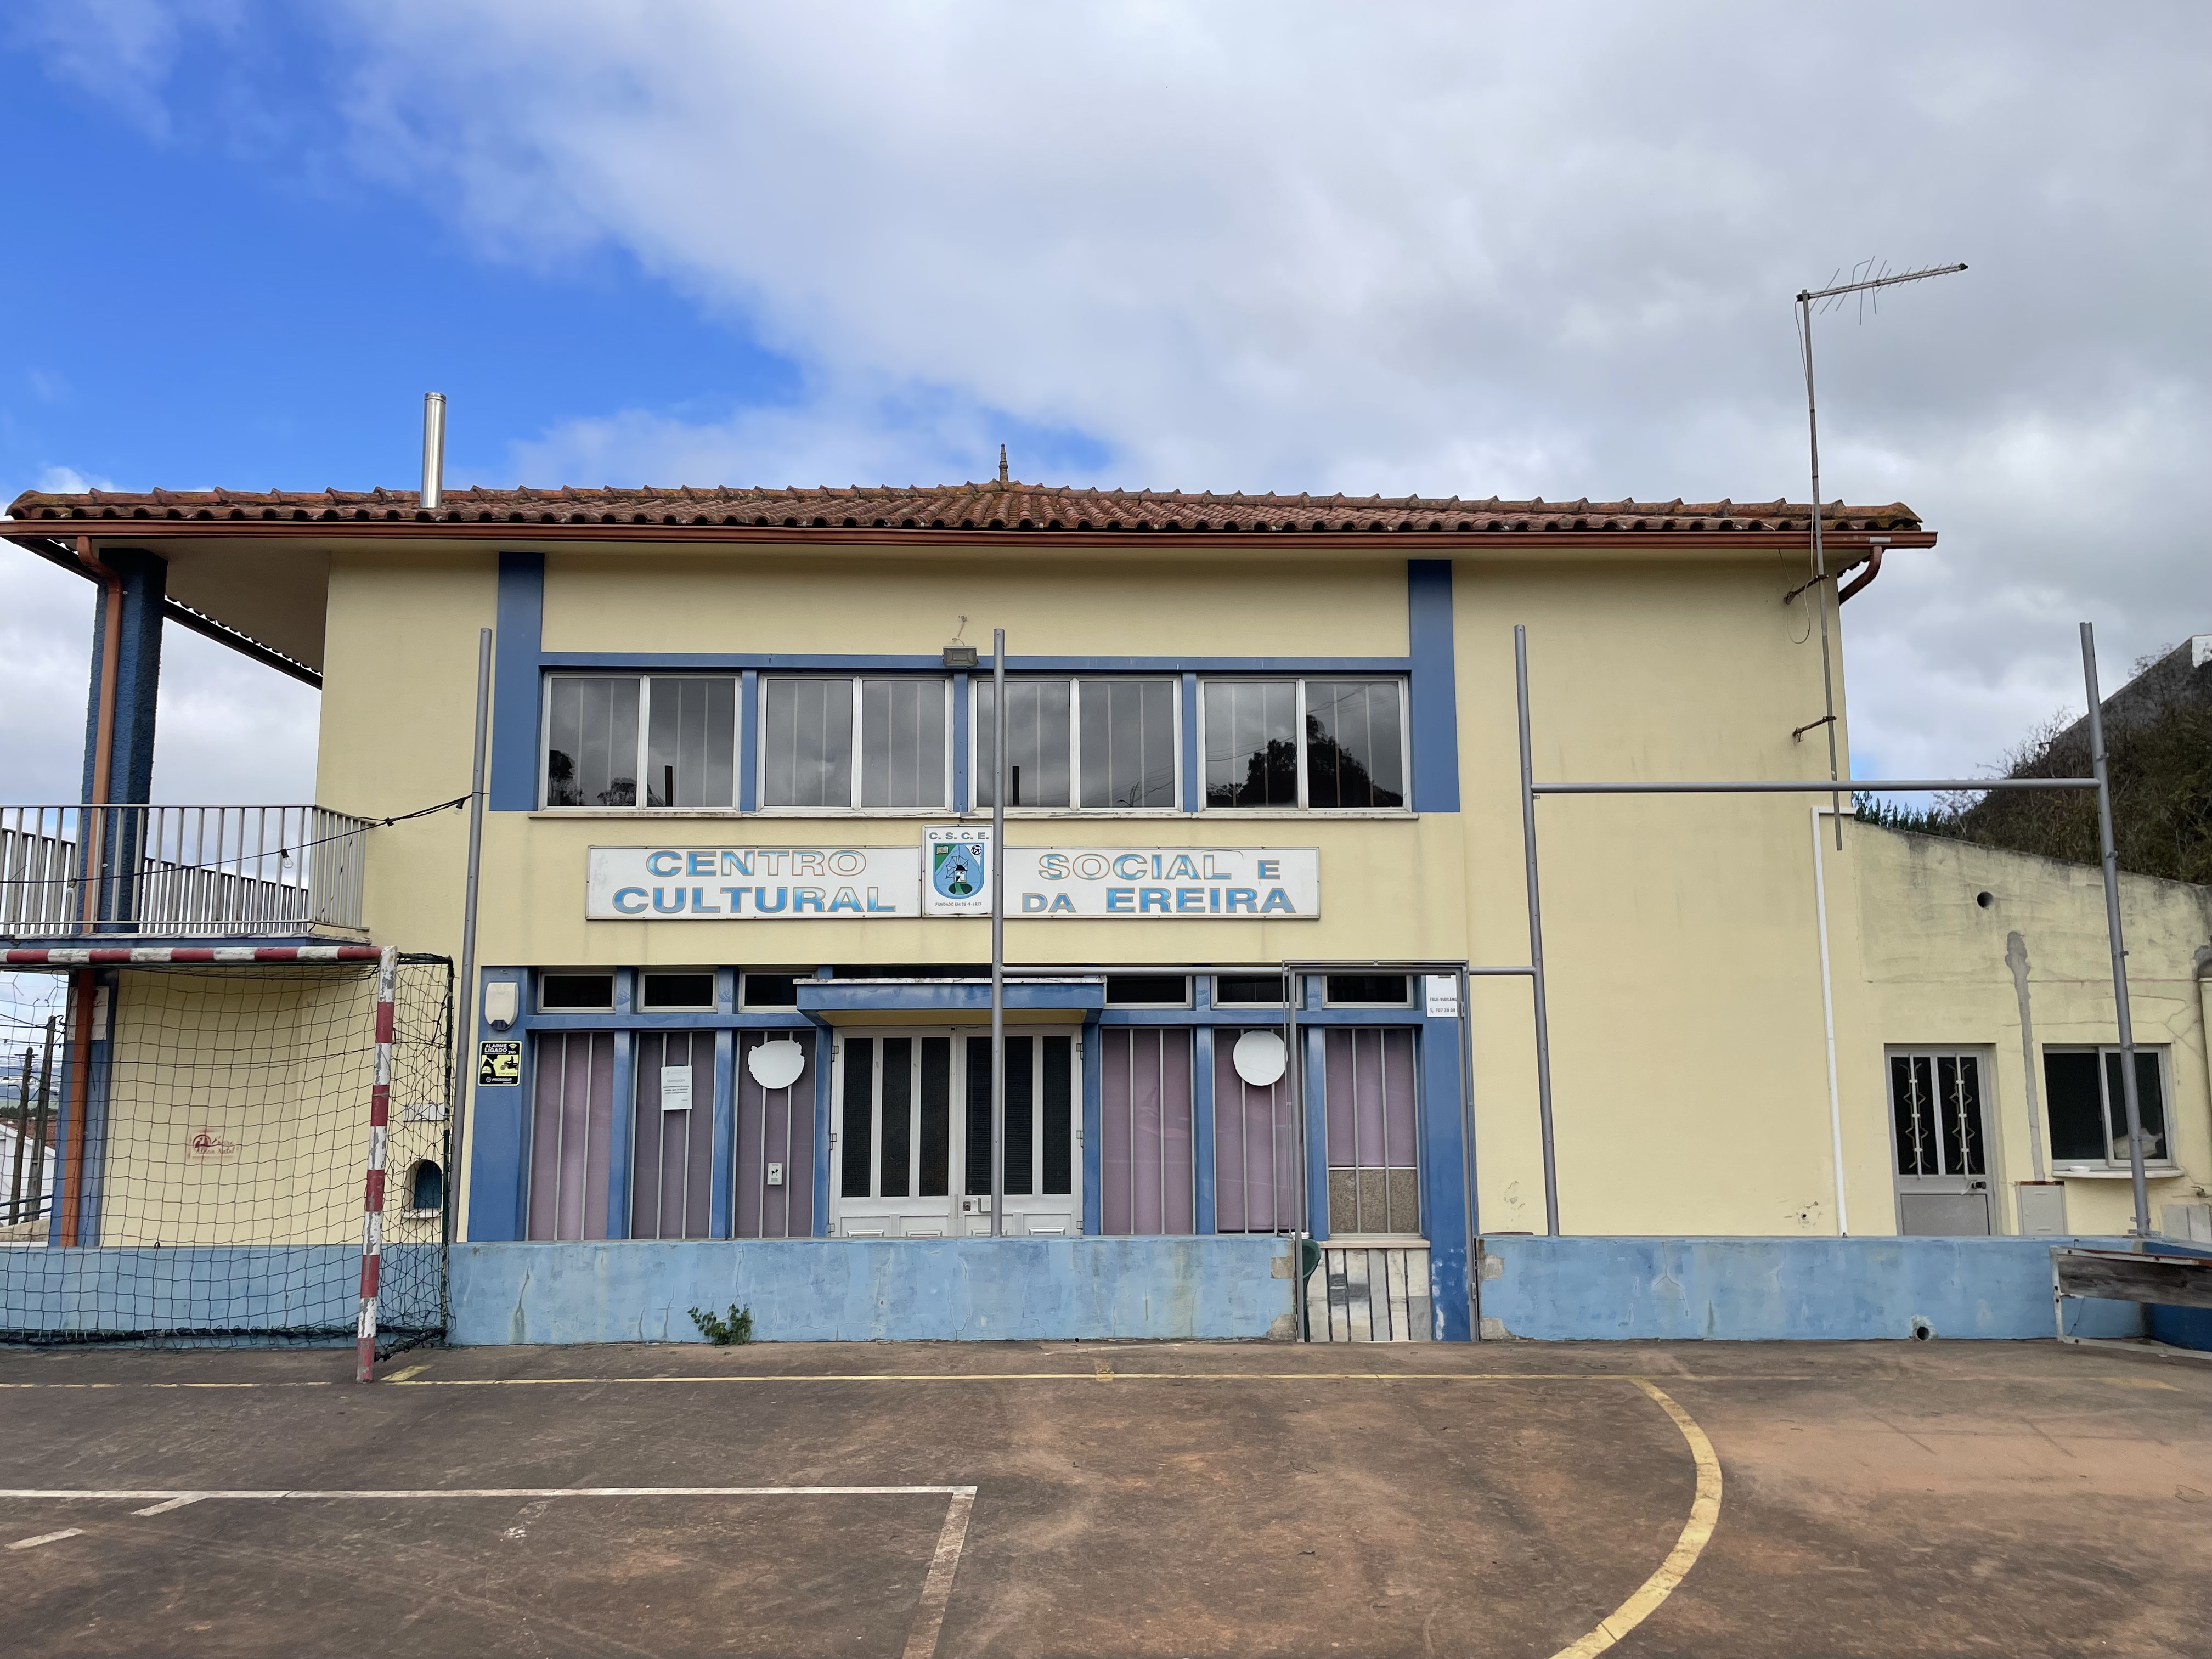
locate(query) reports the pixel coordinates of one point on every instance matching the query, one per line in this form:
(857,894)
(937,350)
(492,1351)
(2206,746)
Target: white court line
(163,1508)
(47,1538)
(194,1497)
(937,1588)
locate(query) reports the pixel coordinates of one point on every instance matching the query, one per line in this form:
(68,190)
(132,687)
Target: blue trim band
(802,663)
(516,693)
(1432,689)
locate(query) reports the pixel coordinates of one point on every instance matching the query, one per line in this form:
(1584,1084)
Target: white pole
(999,786)
(1828,1018)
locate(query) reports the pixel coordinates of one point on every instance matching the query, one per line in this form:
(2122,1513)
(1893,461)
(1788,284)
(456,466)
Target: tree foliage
(2161,773)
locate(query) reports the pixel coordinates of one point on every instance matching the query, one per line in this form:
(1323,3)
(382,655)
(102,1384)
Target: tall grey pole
(2110,859)
(1820,588)
(464,1003)
(999,786)
(1536,937)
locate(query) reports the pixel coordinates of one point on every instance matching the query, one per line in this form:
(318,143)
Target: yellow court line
(1697,1532)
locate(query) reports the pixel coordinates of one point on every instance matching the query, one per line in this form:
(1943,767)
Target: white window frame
(1298,727)
(1074,807)
(859,736)
(644,679)
(2110,1168)
(643,1007)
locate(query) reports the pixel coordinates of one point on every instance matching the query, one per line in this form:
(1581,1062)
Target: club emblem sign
(956,871)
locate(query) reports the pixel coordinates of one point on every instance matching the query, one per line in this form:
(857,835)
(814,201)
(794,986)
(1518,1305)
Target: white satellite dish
(1260,1058)
(776,1064)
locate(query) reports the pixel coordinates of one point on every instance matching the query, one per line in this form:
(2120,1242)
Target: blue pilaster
(1443,1196)
(749,740)
(1432,687)
(1094,1123)
(720,1193)
(1201,1122)
(137,676)
(499,1128)
(515,696)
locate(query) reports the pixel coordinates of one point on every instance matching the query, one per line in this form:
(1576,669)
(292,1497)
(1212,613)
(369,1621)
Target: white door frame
(956,1213)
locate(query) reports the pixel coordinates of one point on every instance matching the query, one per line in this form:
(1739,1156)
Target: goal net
(197,1143)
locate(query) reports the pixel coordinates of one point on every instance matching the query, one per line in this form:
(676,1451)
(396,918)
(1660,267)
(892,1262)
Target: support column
(137,679)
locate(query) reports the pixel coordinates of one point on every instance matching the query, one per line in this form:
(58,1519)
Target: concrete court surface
(1874,1498)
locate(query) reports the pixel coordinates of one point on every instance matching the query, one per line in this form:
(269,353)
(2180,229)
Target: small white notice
(675,1088)
(1443,996)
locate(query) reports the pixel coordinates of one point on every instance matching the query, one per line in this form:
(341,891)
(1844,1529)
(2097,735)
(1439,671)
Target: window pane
(1036,742)
(1913,1108)
(1128,743)
(591,745)
(807,742)
(1353,756)
(859,1124)
(559,993)
(771,991)
(901,743)
(2074,1104)
(1251,753)
(1248,990)
(678,991)
(936,1117)
(1021,1114)
(1369,990)
(2148,1102)
(1959,1078)
(898,1114)
(1058,1087)
(1147,990)
(979,1115)
(690,750)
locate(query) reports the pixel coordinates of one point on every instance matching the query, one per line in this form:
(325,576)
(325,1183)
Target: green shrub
(724,1333)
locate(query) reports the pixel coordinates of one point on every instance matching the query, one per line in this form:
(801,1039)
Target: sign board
(949,875)
(750,884)
(1164,883)
(955,870)
(675,1088)
(498,1065)
(1442,996)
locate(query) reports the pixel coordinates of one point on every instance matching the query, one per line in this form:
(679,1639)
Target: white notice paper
(1443,996)
(675,1088)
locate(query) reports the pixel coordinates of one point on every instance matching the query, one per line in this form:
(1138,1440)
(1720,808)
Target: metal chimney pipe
(434,449)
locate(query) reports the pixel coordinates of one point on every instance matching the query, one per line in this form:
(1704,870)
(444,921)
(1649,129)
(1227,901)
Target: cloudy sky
(1474,249)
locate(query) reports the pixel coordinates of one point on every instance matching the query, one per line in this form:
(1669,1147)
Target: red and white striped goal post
(163,956)
(372,1198)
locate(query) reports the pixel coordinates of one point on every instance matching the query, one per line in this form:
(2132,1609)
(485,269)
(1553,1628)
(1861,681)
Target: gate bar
(2099,781)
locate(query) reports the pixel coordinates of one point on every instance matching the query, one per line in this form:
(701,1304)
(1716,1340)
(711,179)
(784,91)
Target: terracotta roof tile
(988,507)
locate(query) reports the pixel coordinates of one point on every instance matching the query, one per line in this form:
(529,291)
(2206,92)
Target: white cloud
(1512,248)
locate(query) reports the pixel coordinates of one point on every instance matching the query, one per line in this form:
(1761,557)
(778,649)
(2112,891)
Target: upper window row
(1083,743)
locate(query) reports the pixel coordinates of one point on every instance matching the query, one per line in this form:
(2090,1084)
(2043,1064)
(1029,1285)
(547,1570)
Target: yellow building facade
(724,725)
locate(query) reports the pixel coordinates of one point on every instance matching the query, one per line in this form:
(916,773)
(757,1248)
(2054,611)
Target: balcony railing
(72,871)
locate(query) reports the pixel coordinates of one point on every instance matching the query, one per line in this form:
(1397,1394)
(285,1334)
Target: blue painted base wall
(120,1291)
(828,1289)
(1749,1290)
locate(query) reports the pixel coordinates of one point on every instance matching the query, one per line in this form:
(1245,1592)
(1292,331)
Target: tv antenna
(1869,278)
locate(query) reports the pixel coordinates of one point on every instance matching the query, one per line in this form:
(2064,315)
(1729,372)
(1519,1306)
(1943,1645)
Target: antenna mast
(1832,296)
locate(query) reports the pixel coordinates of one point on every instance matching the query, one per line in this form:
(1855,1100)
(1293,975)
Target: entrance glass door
(907,1164)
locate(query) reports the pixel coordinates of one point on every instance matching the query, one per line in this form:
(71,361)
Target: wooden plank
(2166,1281)
(1356,1296)
(1340,1298)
